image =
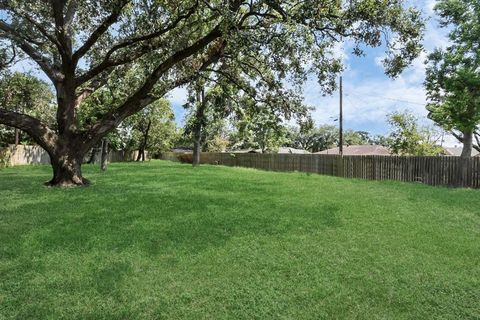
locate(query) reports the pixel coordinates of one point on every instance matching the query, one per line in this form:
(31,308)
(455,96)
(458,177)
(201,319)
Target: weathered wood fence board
(436,171)
(32,154)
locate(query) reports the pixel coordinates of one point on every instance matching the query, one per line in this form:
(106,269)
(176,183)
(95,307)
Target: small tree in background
(259,128)
(409,138)
(308,137)
(151,129)
(208,107)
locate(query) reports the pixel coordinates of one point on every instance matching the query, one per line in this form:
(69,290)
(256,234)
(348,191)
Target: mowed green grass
(161,240)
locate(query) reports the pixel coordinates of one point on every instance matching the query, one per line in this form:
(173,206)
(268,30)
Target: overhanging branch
(11,34)
(40,132)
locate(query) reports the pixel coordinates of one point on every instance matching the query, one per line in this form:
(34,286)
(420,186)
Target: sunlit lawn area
(162,240)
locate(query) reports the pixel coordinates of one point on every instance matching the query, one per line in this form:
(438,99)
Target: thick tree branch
(41,133)
(88,90)
(70,14)
(62,34)
(12,34)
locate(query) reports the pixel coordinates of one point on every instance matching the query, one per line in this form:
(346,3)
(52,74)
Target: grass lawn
(162,240)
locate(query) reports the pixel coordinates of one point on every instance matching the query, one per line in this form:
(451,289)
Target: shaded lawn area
(162,240)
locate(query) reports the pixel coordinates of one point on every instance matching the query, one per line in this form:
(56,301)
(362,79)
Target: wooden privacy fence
(436,171)
(33,154)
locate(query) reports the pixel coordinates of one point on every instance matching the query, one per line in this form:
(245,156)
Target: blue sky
(369,95)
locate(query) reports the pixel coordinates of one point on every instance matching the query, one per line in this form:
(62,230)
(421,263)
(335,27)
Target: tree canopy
(453,73)
(314,139)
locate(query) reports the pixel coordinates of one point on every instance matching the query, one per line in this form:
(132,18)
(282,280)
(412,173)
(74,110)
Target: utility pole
(340,143)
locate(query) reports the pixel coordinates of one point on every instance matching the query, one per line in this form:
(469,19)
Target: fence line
(436,171)
(32,154)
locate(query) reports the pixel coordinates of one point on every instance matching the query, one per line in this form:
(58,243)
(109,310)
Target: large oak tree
(81,45)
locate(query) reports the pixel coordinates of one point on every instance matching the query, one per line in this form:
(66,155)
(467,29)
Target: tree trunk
(104,160)
(17,137)
(477,138)
(143,144)
(67,170)
(467,144)
(197,129)
(93,153)
(197,148)
(139,155)
(145,141)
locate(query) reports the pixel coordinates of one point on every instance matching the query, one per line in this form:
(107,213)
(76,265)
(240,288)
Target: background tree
(225,98)
(151,129)
(82,45)
(314,139)
(258,127)
(25,94)
(353,137)
(381,140)
(303,136)
(409,138)
(207,107)
(453,74)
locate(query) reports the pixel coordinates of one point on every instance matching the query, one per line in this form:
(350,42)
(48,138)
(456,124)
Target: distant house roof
(359,150)
(457,151)
(292,150)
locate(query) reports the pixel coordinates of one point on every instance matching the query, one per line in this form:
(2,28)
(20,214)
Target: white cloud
(429,5)
(368,102)
(370,96)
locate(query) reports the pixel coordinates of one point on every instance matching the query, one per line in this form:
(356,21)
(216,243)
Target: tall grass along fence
(25,154)
(436,171)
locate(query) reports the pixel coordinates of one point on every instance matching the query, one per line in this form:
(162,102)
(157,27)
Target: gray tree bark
(104,159)
(198,127)
(467,144)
